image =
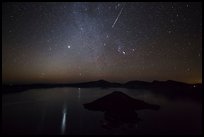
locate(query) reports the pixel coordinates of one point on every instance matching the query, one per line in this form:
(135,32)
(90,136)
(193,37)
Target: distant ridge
(98,83)
(161,85)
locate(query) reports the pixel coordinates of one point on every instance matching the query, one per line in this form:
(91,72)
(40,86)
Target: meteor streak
(117,17)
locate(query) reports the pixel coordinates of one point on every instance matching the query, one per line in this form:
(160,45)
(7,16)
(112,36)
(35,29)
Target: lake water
(61,111)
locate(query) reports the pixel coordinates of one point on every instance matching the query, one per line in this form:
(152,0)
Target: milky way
(116,41)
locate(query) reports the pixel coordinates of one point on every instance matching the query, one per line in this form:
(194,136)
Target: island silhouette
(119,109)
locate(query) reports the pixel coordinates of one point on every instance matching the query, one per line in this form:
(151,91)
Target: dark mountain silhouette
(171,83)
(99,83)
(120,109)
(155,85)
(137,84)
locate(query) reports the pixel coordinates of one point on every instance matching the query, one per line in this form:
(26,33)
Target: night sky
(115,41)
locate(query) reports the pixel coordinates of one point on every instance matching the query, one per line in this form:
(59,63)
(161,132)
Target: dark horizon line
(100,80)
(154,85)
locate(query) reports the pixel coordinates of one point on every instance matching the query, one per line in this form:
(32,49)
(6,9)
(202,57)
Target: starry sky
(59,42)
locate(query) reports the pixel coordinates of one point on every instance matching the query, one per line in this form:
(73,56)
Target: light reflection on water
(64,116)
(61,111)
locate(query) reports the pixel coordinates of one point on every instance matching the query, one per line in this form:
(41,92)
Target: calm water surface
(61,111)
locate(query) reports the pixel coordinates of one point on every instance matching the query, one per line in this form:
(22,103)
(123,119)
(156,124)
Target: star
(60,37)
(188,70)
(187,5)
